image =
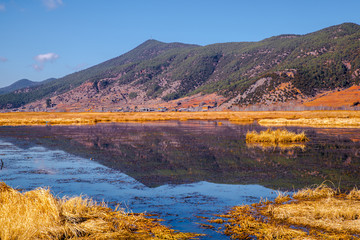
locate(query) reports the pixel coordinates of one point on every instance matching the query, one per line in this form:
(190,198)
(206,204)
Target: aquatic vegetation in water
(312,213)
(265,146)
(37,214)
(275,136)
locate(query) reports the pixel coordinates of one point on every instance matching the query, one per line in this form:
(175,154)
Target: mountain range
(316,69)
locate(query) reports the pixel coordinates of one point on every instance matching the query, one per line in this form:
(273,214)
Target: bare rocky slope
(278,71)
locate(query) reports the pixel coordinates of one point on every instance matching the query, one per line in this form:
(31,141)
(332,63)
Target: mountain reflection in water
(161,153)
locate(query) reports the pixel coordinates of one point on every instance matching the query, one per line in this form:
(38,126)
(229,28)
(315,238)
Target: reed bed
(37,214)
(266,117)
(313,213)
(275,136)
(313,122)
(94,118)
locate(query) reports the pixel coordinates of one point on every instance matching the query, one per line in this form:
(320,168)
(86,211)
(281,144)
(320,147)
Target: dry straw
(312,213)
(38,214)
(309,118)
(335,122)
(275,136)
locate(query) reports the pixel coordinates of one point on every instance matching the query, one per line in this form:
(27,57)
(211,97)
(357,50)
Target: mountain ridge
(21,84)
(277,70)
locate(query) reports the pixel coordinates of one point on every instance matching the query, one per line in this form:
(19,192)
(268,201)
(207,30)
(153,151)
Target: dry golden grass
(354,194)
(313,122)
(42,118)
(312,213)
(321,191)
(38,214)
(93,118)
(282,197)
(275,136)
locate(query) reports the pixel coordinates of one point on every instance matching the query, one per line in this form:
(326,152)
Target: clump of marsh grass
(313,213)
(37,214)
(275,136)
(354,194)
(311,193)
(282,197)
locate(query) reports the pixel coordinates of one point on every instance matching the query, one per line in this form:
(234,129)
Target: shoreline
(38,214)
(318,212)
(326,118)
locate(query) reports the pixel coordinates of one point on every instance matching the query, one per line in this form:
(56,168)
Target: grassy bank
(38,214)
(343,118)
(312,213)
(314,122)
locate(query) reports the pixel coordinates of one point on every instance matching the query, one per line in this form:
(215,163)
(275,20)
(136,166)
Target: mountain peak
(22,83)
(350,24)
(152,41)
(341,29)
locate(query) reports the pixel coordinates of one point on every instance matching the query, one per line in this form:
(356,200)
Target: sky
(41,39)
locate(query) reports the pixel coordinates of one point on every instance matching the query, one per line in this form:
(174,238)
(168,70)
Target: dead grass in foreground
(312,213)
(275,136)
(37,214)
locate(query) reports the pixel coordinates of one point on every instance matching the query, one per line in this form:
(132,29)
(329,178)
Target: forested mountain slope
(279,69)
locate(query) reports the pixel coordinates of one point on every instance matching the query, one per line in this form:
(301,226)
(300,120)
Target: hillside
(23,84)
(342,98)
(278,70)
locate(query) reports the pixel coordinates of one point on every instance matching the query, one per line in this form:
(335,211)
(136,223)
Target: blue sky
(52,38)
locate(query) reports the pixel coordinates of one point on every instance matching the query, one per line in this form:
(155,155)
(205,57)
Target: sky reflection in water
(178,170)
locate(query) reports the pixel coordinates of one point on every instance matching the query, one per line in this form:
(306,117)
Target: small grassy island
(275,136)
(311,213)
(37,214)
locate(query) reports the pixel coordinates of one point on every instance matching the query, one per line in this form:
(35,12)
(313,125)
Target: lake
(181,171)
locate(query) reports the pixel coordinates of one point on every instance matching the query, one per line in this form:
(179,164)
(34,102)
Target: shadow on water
(185,152)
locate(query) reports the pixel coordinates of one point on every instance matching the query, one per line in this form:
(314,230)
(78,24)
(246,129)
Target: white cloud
(2,7)
(42,59)
(52,4)
(47,57)
(3,59)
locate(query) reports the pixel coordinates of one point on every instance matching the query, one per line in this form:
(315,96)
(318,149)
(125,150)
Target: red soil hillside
(347,97)
(198,100)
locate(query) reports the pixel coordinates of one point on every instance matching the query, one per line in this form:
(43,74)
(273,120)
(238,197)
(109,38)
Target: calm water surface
(182,171)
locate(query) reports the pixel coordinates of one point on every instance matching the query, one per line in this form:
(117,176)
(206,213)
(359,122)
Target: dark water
(181,171)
